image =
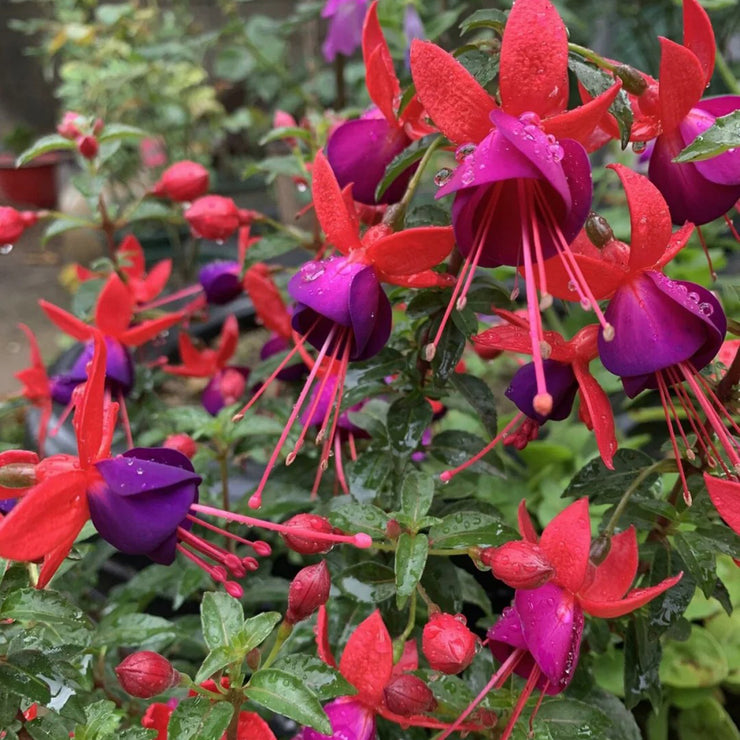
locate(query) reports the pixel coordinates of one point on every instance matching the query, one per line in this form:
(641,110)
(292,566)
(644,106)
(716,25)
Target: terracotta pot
(35,184)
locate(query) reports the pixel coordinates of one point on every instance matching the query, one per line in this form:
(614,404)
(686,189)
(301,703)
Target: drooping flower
(345,27)
(539,636)
(216,217)
(227,383)
(341,309)
(360,150)
(13,223)
(183,182)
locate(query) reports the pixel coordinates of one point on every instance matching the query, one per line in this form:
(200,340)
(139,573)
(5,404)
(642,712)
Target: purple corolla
(561,384)
(350,720)
(345,27)
(220,281)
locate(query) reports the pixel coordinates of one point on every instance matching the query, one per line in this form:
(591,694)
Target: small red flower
(13,223)
(308,591)
(448,645)
(183,182)
(216,217)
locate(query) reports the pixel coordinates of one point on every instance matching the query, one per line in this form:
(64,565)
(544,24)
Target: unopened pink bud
(447,644)
(98,126)
(87,146)
(214,217)
(308,591)
(183,182)
(518,564)
(68,128)
(146,674)
(13,223)
(303,543)
(182,443)
(408,695)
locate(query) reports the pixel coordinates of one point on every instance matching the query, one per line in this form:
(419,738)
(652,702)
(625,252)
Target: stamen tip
(290,458)
(255,501)
(542,403)
(462,301)
(429,352)
(445,476)
(545,349)
(363,541)
(608,332)
(545,301)
(237,417)
(233,589)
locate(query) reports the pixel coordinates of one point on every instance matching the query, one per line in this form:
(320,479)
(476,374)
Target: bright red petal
(114,308)
(228,342)
(36,360)
(566,542)
(595,403)
(411,251)
(615,575)
(725,495)
(338,222)
(66,322)
(698,35)
(579,123)
(196,363)
(633,600)
(409,660)
(268,303)
(367,660)
(677,242)
(147,330)
(89,418)
(425,279)
(53,559)
(253,727)
(454,100)
(322,637)
(681,83)
(131,257)
(650,218)
(503,338)
(602,277)
(45,518)
(382,83)
(153,284)
(526,528)
(534,60)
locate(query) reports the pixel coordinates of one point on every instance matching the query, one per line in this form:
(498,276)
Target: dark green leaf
(569,718)
(426,214)
(118,131)
(417,494)
(352,516)
(222,618)
(102,721)
(455,447)
(256,630)
(50,143)
(700,559)
(48,727)
(408,419)
(480,64)
(465,529)
(642,653)
(401,162)
(449,350)
(142,631)
(697,662)
(477,393)
(216,660)
(487,18)
(721,136)
(411,557)
(281,692)
(367,582)
(323,680)
(199,719)
(19,680)
(367,475)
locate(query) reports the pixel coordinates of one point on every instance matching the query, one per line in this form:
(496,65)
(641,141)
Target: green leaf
(142,631)
(483,66)
(642,653)
(408,419)
(48,727)
(368,583)
(706,719)
(281,692)
(488,18)
(323,680)
(411,557)
(465,529)
(569,718)
(62,224)
(222,618)
(449,351)
(721,136)
(700,558)
(103,719)
(120,131)
(352,516)
(427,214)
(417,494)
(17,679)
(50,143)
(455,447)
(694,663)
(477,393)
(256,630)
(285,132)
(199,719)
(401,162)
(216,660)
(367,475)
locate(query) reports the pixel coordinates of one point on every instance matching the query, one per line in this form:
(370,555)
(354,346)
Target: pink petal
(725,495)
(566,542)
(633,600)
(698,36)
(681,83)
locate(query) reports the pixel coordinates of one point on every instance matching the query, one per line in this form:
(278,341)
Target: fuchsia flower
(228,383)
(359,151)
(539,636)
(523,188)
(216,217)
(183,182)
(345,27)
(13,223)
(341,308)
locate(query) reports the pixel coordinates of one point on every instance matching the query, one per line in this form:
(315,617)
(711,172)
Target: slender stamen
(448,475)
(733,231)
(125,420)
(705,249)
(338,463)
(352,446)
(184,293)
(709,390)
(261,548)
(529,687)
(360,540)
(688,411)
(213,551)
(537,706)
(677,454)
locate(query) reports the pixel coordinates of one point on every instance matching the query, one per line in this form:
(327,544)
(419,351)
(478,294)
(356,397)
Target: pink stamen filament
(352,446)
(256,498)
(262,549)
(709,390)
(217,573)
(184,293)
(671,433)
(496,681)
(338,463)
(705,249)
(125,420)
(229,560)
(448,475)
(529,687)
(360,540)
(733,231)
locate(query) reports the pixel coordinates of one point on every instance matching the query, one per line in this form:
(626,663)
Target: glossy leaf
(477,393)
(199,719)
(417,493)
(323,680)
(468,529)
(408,419)
(222,618)
(411,557)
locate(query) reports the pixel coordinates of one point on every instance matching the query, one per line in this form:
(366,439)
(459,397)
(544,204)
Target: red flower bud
(518,564)
(146,674)
(393,529)
(182,443)
(87,146)
(308,591)
(305,545)
(408,695)
(68,127)
(447,644)
(13,223)
(183,181)
(215,217)
(98,126)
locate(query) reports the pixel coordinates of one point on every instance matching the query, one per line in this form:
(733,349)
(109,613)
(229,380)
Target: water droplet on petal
(529,118)
(442,176)
(638,147)
(468,176)
(6,249)
(464,151)
(707,309)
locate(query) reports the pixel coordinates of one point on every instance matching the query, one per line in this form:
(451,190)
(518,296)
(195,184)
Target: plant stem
(592,56)
(284,631)
(726,73)
(432,608)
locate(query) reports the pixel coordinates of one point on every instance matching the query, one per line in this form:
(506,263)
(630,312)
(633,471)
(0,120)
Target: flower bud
(600,548)
(519,564)
(447,644)
(302,544)
(98,126)
(68,128)
(632,80)
(408,695)
(183,181)
(308,591)
(182,443)
(146,674)
(253,659)
(13,223)
(214,217)
(598,230)
(87,146)
(393,529)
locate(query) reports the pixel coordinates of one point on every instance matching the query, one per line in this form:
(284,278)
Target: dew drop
(302,187)
(585,304)
(464,151)
(638,147)
(571,286)
(468,176)
(693,296)
(139,471)
(442,176)
(6,249)
(707,309)
(530,118)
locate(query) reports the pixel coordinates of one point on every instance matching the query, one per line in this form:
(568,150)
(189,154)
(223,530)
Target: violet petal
(561,384)
(220,281)
(349,719)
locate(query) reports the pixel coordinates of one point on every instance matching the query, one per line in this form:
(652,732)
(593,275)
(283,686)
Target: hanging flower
(345,27)
(13,223)
(183,182)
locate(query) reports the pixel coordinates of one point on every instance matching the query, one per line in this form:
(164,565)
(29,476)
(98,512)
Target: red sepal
(339,223)
(367,660)
(698,36)
(195,363)
(677,242)
(452,97)
(252,727)
(54,558)
(615,575)
(130,257)
(66,322)
(596,413)
(380,76)
(725,495)
(534,76)
(114,308)
(153,284)
(602,277)
(322,637)
(411,251)
(681,83)
(425,279)
(147,330)
(526,528)
(633,600)
(51,513)
(88,418)
(566,542)
(409,660)
(15,457)
(268,303)
(228,341)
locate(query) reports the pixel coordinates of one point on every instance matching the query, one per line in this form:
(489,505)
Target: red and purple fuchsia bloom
(556,581)
(341,308)
(523,187)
